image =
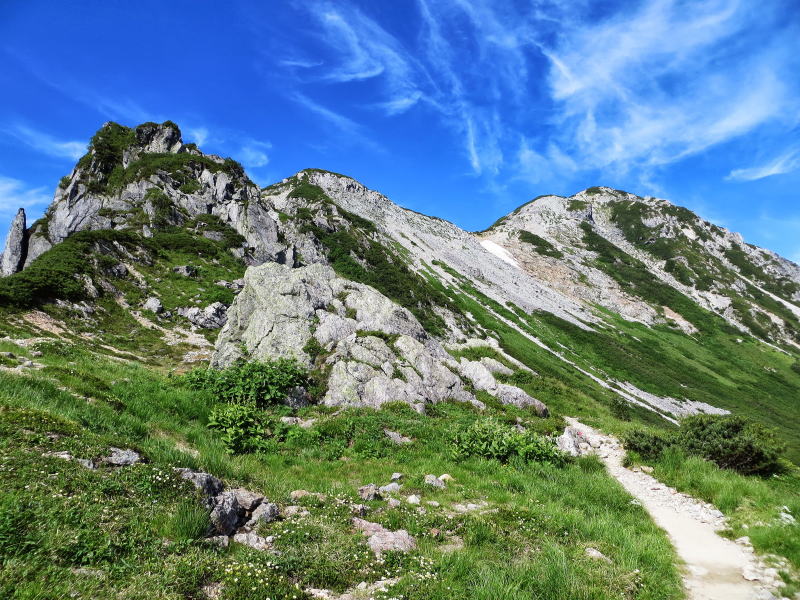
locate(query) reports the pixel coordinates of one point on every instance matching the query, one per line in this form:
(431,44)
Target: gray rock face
(226,512)
(254,541)
(434,481)
(206,483)
(495,367)
(273,316)
(369,492)
(185,270)
(247,500)
(482,378)
(13,256)
(226,193)
(212,316)
(509,394)
(265,513)
(390,488)
(570,441)
(397,438)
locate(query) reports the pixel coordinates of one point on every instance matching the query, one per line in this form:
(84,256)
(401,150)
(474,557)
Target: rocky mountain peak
(13,256)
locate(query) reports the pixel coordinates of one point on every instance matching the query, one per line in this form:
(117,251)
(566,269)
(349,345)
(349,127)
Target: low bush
(648,444)
(242,428)
(258,383)
(55,274)
(489,438)
(541,245)
(732,442)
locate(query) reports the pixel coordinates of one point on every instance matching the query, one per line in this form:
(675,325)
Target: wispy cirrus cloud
(587,86)
(15,194)
(340,123)
(785,163)
(364,50)
(46,143)
(198,135)
(253,154)
(667,81)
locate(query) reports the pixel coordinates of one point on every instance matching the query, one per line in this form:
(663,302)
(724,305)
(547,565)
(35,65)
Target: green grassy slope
(132,532)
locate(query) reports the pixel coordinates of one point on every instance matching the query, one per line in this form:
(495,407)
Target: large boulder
(375,350)
(273,313)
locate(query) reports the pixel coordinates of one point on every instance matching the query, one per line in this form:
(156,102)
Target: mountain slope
(654,244)
(416,348)
(615,297)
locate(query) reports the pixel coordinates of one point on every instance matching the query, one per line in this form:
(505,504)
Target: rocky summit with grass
(210,389)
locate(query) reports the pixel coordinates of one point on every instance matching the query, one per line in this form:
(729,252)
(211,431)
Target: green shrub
(182,241)
(541,245)
(732,442)
(230,237)
(489,438)
(242,428)
(54,274)
(258,383)
(522,377)
(648,444)
(621,409)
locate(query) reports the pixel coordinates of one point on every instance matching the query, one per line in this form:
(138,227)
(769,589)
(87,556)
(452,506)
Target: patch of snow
(500,253)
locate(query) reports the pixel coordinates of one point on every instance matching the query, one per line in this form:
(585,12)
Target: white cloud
(253,154)
(15,194)
(198,135)
(536,167)
(300,63)
(631,91)
(352,130)
(47,144)
(364,49)
(785,163)
(652,87)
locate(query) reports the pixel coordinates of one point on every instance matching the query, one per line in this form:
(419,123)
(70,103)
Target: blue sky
(460,109)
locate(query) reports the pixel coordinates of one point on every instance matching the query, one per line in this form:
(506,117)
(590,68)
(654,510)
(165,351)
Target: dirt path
(716,568)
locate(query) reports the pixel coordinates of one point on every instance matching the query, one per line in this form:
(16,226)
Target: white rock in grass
(391,488)
(596,554)
(434,481)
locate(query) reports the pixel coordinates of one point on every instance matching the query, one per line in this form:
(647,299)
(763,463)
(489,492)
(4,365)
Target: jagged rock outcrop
(16,247)
(375,350)
(212,316)
(146,177)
